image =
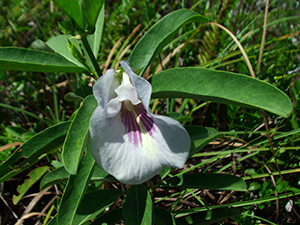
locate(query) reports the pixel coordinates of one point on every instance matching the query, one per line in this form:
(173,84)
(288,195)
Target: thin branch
(239,45)
(263,37)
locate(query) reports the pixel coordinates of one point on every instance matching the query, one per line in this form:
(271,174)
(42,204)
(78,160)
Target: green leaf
(32,149)
(98,201)
(21,59)
(180,117)
(90,11)
(72,97)
(40,45)
(75,190)
(34,176)
(208,217)
(250,171)
(78,134)
(60,44)
(160,35)
(66,26)
(201,136)
(95,203)
(111,217)
(164,172)
(254,186)
(16,131)
(211,181)
(76,52)
(56,176)
(95,39)
(137,208)
(99,174)
(162,217)
(72,9)
(53,221)
(222,87)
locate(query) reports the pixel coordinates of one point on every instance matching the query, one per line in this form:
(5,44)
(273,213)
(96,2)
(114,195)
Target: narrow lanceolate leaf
(137,208)
(34,176)
(21,59)
(162,217)
(208,217)
(90,11)
(201,136)
(54,177)
(95,203)
(72,9)
(17,132)
(211,181)
(60,44)
(160,35)
(222,87)
(95,39)
(75,190)
(111,217)
(32,149)
(77,135)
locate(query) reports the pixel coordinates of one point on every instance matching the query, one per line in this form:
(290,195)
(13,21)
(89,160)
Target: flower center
(137,122)
(126,93)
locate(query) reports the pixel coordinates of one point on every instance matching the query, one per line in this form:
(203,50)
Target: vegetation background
(264,150)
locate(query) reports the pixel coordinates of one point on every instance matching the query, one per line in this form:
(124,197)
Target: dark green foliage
(46,103)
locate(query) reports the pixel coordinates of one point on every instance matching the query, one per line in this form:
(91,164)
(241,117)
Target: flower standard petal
(142,86)
(126,140)
(104,87)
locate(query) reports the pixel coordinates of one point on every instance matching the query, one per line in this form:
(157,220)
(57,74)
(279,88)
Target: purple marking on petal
(145,118)
(135,120)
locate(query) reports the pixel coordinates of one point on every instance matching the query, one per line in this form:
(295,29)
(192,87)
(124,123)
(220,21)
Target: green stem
(55,102)
(241,151)
(260,218)
(235,204)
(91,55)
(10,139)
(256,176)
(48,215)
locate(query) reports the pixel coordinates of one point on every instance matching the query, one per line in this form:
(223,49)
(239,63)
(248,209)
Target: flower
(126,139)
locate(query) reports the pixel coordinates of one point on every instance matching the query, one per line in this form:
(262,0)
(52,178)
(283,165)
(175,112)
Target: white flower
(126,139)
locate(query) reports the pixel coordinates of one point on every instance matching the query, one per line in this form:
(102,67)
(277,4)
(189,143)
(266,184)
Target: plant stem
(263,39)
(235,204)
(55,102)
(91,55)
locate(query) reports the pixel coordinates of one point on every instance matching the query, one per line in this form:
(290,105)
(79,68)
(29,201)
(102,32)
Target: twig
(111,53)
(276,194)
(263,37)
(34,201)
(21,221)
(4,147)
(239,45)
